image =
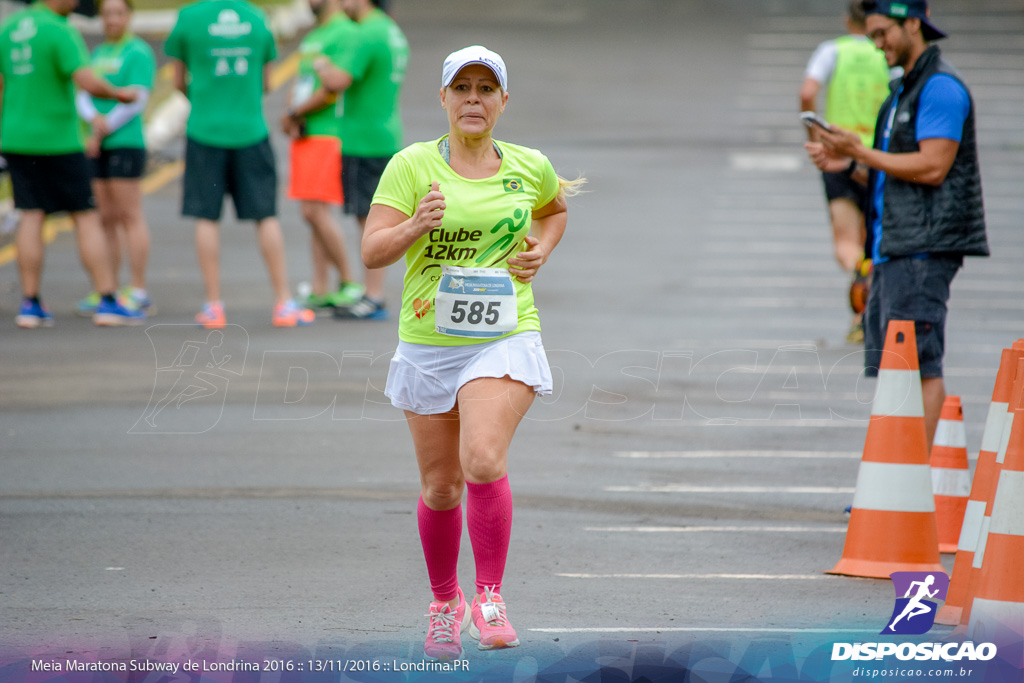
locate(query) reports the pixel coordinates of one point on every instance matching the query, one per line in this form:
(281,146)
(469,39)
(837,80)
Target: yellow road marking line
(51,228)
(163,175)
(283,72)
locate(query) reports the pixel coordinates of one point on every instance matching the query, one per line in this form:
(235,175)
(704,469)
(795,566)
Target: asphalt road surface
(169,494)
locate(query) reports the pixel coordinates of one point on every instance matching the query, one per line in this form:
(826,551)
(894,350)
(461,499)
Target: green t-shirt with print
(485,223)
(127,62)
(39,53)
(331,41)
(372,123)
(225,45)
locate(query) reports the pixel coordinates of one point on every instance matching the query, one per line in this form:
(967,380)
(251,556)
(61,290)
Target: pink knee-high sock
(440,535)
(489,517)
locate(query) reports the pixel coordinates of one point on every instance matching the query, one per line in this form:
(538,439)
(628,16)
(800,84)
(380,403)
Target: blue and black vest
(917,218)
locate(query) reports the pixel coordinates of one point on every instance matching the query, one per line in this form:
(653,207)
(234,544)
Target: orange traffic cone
(892,521)
(982,490)
(997,613)
(997,467)
(951,478)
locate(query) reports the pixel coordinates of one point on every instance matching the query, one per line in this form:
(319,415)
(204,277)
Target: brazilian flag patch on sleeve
(513,184)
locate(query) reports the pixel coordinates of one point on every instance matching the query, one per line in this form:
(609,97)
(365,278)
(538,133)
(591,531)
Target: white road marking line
(686,488)
(757,577)
(802,283)
(766,162)
(714,529)
(718,344)
(759,422)
(846,369)
(696,629)
(737,454)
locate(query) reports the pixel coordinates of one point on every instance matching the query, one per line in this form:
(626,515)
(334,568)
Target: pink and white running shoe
(444,631)
(490,625)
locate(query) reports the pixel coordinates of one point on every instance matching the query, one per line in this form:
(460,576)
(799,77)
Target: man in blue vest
(925,209)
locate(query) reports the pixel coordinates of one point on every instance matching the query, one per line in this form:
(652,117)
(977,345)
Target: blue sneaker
(33,315)
(114,313)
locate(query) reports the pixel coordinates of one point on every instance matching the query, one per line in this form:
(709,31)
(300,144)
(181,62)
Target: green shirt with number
(39,53)
(372,123)
(225,45)
(485,223)
(127,62)
(331,40)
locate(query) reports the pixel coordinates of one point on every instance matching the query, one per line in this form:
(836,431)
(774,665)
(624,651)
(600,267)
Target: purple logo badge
(914,612)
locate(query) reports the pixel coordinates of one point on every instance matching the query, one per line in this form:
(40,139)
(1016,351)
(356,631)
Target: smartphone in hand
(811,119)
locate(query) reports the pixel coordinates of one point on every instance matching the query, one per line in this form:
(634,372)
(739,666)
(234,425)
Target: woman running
(475,219)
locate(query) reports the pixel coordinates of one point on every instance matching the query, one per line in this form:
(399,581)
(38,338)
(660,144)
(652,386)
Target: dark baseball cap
(905,9)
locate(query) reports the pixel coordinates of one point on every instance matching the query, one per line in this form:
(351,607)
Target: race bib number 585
(475,302)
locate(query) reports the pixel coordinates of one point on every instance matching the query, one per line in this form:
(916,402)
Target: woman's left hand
(525,264)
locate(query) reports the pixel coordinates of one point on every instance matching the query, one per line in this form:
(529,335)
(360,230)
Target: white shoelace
(441,625)
(492,612)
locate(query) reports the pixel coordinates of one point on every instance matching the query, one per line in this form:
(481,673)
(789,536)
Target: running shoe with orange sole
(490,624)
(861,286)
(212,316)
(289,314)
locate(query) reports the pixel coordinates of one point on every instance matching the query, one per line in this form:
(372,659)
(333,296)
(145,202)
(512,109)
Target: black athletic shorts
(359,178)
(247,174)
(910,288)
(842,186)
(122,162)
(51,182)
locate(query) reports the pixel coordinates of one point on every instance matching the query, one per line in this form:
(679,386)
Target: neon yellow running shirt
(485,224)
(859,85)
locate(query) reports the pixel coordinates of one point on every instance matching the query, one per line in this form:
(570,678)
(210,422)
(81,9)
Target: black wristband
(851,168)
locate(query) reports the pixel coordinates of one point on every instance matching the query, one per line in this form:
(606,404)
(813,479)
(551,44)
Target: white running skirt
(426,379)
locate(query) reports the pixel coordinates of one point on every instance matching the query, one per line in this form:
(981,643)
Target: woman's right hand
(430,211)
(390,233)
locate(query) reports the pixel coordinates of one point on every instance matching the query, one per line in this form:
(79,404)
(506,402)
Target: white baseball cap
(474,54)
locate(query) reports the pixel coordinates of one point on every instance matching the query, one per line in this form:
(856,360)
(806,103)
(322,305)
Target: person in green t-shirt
(117,148)
(315,180)
(371,76)
(222,51)
(475,220)
(42,59)
(855,77)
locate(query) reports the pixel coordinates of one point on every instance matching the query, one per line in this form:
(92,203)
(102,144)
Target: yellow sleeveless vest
(859,85)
